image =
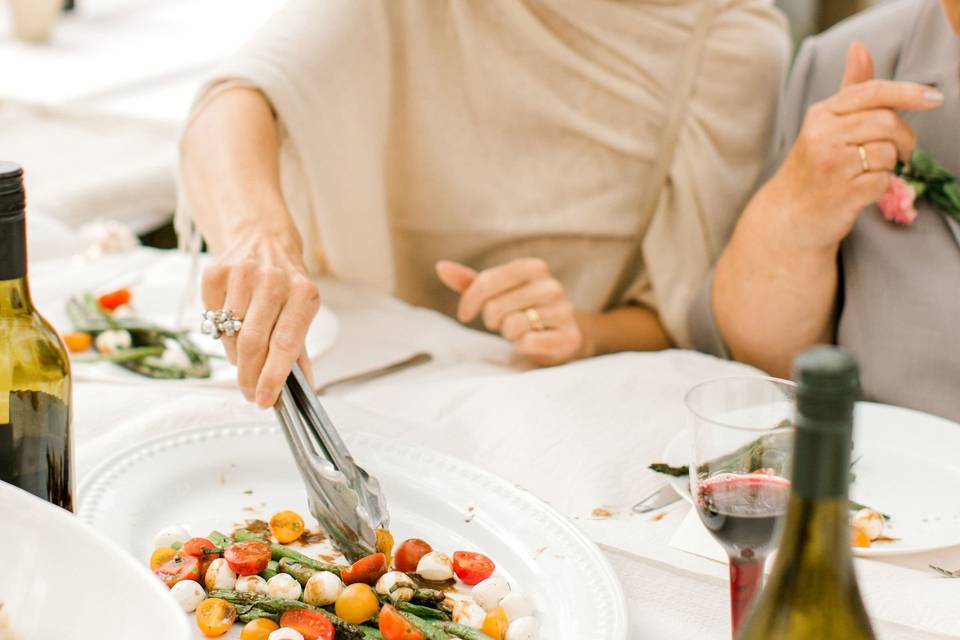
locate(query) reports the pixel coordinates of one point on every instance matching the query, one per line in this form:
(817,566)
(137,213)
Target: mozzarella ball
(525,628)
(488,593)
(110,341)
(188,594)
(220,576)
(123,312)
(323,588)
(435,566)
(870,522)
(175,358)
(285,633)
(517,605)
(251,584)
(469,614)
(169,536)
(397,585)
(284,586)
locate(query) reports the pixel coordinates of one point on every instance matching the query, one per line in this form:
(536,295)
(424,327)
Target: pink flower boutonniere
(922,177)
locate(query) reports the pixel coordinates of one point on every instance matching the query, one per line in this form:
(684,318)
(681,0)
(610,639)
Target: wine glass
(743,444)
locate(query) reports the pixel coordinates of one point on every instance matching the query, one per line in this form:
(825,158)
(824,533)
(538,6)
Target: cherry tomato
(259,629)
(114,299)
(286,526)
(368,570)
(312,624)
(394,626)
(199,547)
(248,557)
(385,544)
(859,537)
(178,568)
(472,568)
(78,341)
(495,624)
(215,617)
(409,553)
(161,555)
(357,603)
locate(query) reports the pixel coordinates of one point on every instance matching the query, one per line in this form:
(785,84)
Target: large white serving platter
(61,579)
(215,477)
(907,466)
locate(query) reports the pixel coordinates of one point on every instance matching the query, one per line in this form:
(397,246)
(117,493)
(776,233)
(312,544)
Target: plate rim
(682,485)
(95,484)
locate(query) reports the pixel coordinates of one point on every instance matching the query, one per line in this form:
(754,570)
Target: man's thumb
(859,65)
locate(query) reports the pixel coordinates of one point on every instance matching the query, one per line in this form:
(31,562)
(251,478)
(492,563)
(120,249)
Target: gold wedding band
(863,158)
(533,317)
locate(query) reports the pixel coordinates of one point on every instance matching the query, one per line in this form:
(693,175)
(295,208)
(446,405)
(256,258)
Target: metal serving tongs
(345,499)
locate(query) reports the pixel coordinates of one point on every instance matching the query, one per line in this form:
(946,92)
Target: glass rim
(687,401)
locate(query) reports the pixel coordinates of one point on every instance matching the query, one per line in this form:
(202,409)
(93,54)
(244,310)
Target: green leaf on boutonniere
(930,180)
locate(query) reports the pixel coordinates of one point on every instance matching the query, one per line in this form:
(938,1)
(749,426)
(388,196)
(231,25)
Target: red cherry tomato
(471,567)
(198,547)
(409,553)
(180,568)
(313,625)
(394,626)
(248,557)
(366,570)
(114,299)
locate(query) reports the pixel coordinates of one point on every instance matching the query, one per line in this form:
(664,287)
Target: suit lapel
(933,57)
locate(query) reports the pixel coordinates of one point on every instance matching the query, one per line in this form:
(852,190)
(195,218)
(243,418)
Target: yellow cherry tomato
(859,537)
(215,617)
(357,603)
(385,544)
(286,526)
(258,629)
(495,624)
(161,555)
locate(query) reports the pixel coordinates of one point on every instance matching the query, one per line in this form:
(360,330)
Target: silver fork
(343,497)
(945,572)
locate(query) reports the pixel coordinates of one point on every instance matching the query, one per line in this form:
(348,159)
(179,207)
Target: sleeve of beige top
(324,68)
(720,155)
(702,326)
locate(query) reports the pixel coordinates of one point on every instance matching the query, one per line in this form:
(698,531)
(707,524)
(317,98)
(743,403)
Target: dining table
(579,436)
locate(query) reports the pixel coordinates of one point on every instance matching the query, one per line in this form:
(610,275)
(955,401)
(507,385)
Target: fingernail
(933,95)
(264,399)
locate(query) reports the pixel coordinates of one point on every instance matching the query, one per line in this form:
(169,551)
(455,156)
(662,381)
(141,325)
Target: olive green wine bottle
(812,593)
(35,438)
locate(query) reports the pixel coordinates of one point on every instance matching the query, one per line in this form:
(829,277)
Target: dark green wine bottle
(812,593)
(35,438)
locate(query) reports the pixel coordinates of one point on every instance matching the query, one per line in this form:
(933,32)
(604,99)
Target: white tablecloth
(579,436)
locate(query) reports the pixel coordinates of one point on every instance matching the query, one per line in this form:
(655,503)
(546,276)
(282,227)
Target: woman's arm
(231,178)
(775,286)
(631,328)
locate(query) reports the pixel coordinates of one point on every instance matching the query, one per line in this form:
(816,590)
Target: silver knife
(662,497)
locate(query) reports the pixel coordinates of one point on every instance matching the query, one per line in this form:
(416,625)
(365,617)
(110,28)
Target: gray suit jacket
(900,288)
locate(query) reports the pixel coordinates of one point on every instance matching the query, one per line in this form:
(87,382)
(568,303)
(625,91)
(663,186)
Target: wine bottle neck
(14,290)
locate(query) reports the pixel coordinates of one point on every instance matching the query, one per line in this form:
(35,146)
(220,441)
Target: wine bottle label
(35,447)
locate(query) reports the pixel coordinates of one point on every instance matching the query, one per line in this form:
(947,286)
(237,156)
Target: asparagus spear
(220,539)
(428,613)
(429,597)
(298,570)
(344,629)
(369,633)
(463,632)
(279,552)
(256,612)
(272,569)
(429,631)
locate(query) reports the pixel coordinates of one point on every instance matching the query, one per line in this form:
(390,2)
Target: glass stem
(746,578)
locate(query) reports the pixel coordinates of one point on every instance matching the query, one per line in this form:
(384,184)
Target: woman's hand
(504,294)
(824,182)
(265,283)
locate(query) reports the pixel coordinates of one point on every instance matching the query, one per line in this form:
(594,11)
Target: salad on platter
(256,577)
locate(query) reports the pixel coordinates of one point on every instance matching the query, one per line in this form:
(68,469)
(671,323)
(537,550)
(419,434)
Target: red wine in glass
(742,512)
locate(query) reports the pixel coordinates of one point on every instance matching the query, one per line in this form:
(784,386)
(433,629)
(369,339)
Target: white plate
(61,579)
(200,479)
(907,468)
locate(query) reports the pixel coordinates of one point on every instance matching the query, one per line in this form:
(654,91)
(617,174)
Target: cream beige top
(482,131)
